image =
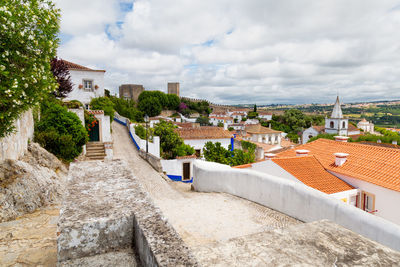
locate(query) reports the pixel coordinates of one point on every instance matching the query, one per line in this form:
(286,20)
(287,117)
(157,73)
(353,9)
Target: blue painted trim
(232,143)
(121,122)
(133,139)
(178,178)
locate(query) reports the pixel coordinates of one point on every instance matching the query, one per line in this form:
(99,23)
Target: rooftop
(204,132)
(74,66)
(373,164)
(310,172)
(258,129)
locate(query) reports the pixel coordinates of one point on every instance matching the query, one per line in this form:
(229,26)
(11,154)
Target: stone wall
(15,145)
(294,199)
(106,210)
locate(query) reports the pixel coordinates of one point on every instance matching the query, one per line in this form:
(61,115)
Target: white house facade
(260,134)
(366,126)
(87,83)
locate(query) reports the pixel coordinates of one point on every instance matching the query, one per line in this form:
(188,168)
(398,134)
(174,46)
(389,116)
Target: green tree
(324,135)
(252,115)
(173,102)
(220,124)
(59,131)
(255,108)
(150,106)
(171,143)
(28,42)
(103,103)
(217,153)
(127,108)
(204,121)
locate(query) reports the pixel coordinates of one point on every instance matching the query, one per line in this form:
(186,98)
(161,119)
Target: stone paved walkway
(200,218)
(30,240)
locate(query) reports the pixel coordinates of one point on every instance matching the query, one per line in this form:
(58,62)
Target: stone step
(90,144)
(95,154)
(95,149)
(96,158)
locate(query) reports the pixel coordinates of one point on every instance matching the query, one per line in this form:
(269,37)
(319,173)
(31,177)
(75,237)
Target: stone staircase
(95,151)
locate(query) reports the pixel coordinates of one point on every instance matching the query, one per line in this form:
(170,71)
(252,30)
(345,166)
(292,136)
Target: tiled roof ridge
(354,144)
(74,66)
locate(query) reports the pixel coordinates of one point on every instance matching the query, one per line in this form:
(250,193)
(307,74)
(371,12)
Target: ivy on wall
(28,42)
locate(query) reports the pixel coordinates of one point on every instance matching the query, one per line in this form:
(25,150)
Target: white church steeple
(337,110)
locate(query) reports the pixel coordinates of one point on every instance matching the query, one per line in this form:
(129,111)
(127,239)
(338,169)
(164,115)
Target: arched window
(344,124)
(332,124)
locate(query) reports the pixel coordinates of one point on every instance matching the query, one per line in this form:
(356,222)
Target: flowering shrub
(90,121)
(28,42)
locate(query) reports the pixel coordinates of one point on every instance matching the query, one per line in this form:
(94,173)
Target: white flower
(26,85)
(12,24)
(2,67)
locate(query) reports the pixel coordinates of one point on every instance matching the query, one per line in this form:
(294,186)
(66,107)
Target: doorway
(94,133)
(186,171)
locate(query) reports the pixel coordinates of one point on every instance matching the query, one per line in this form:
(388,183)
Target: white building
(215,120)
(260,134)
(373,170)
(311,132)
(198,137)
(179,169)
(366,126)
(336,124)
(87,83)
(265,115)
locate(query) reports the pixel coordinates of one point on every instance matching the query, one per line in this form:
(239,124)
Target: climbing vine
(28,42)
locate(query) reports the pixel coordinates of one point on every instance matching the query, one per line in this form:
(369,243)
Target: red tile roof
(310,171)
(206,132)
(352,128)
(258,129)
(373,164)
(74,66)
(96,111)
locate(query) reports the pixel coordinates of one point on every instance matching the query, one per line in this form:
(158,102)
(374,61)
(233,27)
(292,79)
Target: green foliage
(248,146)
(170,142)
(140,131)
(252,115)
(150,106)
(173,101)
(220,124)
(127,108)
(255,108)
(90,121)
(60,131)
(235,120)
(230,129)
(107,92)
(217,153)
(324,135)
(201,107)
(388,136)
(73,104)
(103,103)
(28,42)
(204,121)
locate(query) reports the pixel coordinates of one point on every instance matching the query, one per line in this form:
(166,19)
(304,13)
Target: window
(198,153)
(368,201)
(344,124)
(88,85)
(332,124)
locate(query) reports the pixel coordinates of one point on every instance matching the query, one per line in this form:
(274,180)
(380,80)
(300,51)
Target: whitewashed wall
(153,148)
(307,132)
(174,167)
(14,145)
(77,77)
(386,201)
(294,199)
(199,143)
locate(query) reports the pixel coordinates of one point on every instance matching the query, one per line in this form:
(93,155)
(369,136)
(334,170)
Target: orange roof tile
(373,164)
(74,66)
(258,129)
(352,128)
(309,171)
(205,132)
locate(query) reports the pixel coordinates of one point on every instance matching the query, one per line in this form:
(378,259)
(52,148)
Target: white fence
(153,147)
(294,199)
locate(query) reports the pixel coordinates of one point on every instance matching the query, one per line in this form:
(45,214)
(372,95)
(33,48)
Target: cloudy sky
(240,51)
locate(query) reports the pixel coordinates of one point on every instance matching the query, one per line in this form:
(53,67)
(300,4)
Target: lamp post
(146,120)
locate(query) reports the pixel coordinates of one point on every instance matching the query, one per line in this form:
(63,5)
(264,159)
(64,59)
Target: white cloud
(233,51)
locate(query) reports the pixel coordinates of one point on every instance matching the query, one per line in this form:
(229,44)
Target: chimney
(302,152)
(340,158)
(269,156)
(340,138)
(394,142)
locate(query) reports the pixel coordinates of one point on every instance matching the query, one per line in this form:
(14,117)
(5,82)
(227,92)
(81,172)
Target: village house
(86,83)
(265,115)
(216,119)
(261,134)
(198,137)
(372,170)
(366,126)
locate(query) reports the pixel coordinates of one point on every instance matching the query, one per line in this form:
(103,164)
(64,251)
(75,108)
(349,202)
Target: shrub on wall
(215,152)
(61,132)
(28,37)
(103,103)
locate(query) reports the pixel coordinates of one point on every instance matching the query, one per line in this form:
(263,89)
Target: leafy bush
(252,115)
(127,108)
(150,106)
(173,101)
(324,135)
(204,121)
(28,41)
(217,153)
(61,73)
(103,103)
(73,104)
(171,143)
(60,132)
(140,131)
(90,121)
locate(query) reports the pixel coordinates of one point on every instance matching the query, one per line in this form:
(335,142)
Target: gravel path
(200,218)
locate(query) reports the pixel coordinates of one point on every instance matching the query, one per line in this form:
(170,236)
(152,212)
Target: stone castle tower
(173,88)
(130,91)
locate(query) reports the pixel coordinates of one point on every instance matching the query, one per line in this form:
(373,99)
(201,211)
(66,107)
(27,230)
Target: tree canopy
(63,78)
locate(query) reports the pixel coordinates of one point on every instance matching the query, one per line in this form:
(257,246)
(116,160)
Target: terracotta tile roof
(352,128)
(187,157)
(309,171)
(258,129)
(205,132)
(319,128)
(96,111)
(373,164)
(74,66)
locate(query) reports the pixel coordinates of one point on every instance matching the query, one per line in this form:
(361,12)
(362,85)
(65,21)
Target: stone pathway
(30,240)
(199,218)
